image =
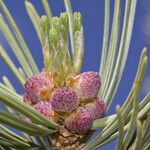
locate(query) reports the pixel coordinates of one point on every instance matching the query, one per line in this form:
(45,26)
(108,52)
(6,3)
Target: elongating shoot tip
(27,2)
(145,60)
(4,77)
(139,124)
(118,109)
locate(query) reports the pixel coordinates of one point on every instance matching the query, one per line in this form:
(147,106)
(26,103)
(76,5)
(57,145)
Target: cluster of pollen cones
(74,105)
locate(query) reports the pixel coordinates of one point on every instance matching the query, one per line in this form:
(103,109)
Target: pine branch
(15,47)
(105,38)
(19,37)
(126,108)
(69,11)
(35,18)
(17,104)
(131,122)
(47,8)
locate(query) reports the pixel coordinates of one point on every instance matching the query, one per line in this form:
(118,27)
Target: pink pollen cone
(32,88)
(64,100)
(45,108)
(87,85)
(79,122)
(96,108)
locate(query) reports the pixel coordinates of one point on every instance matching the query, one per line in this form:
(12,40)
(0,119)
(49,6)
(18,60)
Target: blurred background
(93,18)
